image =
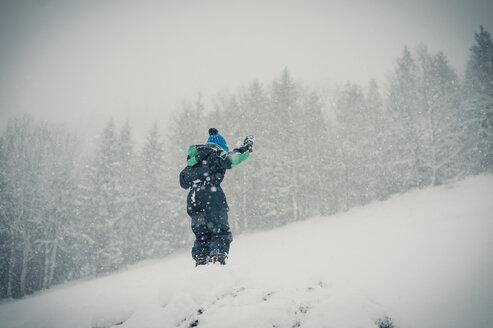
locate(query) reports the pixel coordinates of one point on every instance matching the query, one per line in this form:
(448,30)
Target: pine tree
(154,234)
(404,106)
(58,216)
(250,177)
(20,200)
(379,152)
(35,204)
(6,244)
(478,106)
(319,167)
(284,108)
(353,132)
(102,211)
(441,132)
(126,226)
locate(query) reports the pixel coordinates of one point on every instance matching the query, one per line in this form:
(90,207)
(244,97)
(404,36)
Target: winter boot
(218,257)
(201,261)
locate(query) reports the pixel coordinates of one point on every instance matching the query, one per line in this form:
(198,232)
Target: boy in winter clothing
(206,202)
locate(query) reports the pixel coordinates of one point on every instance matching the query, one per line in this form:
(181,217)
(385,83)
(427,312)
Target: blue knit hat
(216,138)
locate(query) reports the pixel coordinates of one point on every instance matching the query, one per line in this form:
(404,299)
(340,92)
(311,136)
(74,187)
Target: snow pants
(208,209)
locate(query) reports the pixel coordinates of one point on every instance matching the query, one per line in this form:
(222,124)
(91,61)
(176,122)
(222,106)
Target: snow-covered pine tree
(58,211)
(404,107)
(20,200)
(478,105)
(36,206)
(439,89)
(317,153)
(253,107)
(127,224)
(379,154)
(354,134)
(101,208)
(155,235)
(251,120)
(285,110)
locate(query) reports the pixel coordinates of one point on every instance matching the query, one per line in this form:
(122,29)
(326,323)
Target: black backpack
(197,170)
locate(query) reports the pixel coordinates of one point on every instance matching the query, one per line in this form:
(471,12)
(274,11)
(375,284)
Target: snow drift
(423,259)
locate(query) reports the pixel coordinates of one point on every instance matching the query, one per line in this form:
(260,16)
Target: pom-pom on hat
(217,139)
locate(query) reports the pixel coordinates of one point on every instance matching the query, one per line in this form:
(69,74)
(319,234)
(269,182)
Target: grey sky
(81,62)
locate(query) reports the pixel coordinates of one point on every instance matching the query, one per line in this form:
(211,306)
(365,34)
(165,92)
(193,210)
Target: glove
(248,143)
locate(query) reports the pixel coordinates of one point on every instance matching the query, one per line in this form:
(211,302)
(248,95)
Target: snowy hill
(424,259)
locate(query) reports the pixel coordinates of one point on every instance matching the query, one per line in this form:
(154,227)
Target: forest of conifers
(66,214)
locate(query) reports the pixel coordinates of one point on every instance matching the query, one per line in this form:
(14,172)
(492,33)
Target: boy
(206,202)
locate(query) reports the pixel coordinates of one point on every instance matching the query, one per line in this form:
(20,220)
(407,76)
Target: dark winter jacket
(207,164)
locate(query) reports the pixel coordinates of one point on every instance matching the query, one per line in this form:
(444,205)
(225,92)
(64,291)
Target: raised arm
(234,158)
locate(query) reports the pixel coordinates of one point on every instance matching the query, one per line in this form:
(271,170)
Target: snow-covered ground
(424,259)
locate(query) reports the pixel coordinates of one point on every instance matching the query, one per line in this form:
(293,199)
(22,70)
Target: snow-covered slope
(424,259)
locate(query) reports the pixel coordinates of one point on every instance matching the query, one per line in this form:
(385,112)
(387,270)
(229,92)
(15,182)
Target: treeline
(65,216)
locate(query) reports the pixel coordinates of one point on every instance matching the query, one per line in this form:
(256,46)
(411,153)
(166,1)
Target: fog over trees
(66,216)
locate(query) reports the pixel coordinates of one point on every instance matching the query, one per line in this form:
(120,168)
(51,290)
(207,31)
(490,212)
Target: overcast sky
(82,62)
